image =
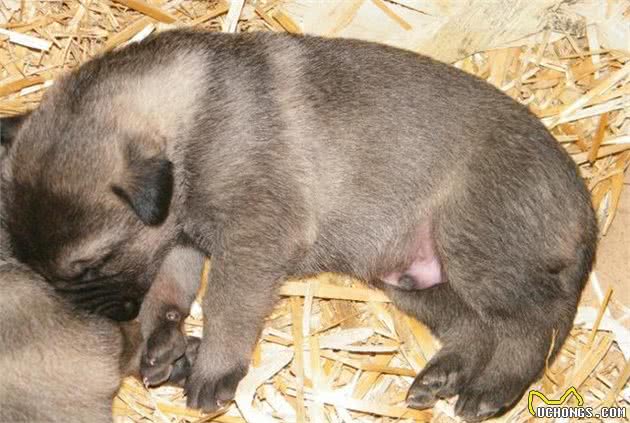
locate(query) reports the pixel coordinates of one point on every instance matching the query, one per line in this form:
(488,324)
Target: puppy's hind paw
(480,402)
(443,377)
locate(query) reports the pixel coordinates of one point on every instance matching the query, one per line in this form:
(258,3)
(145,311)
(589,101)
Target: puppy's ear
(9,127)
(148,188)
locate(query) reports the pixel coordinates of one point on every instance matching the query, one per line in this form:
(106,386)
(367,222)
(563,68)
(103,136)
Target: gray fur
(60,364)
(57,364)
(168,354)
(295,155)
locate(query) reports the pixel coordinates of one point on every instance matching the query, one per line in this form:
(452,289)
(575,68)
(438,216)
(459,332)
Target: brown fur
(57,364)
(168,354)
(60,364)
(295,155)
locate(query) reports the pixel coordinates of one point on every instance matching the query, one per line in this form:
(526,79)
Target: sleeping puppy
(57,364)
(60,364)
(283,156)
(48,346)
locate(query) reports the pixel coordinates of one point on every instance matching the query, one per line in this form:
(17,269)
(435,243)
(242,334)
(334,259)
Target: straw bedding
(333,350)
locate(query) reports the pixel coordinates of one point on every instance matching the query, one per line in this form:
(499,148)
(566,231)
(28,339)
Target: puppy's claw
(164,352)
(441,378)
(215,393)
(486,398)
(421,401)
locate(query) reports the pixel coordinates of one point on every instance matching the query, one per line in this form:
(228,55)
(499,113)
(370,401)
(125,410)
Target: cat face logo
(547,401)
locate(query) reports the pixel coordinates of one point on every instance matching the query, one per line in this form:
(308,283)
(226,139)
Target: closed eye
(89,274)
(93,270)
(80,285)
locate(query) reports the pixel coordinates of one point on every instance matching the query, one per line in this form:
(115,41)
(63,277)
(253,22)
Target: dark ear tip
(153,217)
(149,193)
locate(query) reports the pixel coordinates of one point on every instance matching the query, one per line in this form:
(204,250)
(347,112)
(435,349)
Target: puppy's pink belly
(424,271)
(421,274)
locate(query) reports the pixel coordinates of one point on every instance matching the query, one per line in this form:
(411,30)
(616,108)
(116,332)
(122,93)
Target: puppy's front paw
(165,347)
(182,367)
(210,390)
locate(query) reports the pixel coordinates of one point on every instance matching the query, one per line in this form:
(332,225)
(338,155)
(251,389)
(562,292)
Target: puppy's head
(86,179)
(86,201)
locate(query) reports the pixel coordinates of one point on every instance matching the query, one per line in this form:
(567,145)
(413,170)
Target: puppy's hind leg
(516,362)
(468,343)
(525,344)
(521,270)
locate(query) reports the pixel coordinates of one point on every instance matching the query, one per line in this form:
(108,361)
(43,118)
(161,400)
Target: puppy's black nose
(126,310)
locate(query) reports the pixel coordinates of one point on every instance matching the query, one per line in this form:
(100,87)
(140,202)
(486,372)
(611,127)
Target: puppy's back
(56,364)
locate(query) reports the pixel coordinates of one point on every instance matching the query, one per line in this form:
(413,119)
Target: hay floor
(357,354)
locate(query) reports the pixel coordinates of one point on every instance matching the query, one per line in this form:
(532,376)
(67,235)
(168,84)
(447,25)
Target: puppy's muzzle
(107,298)
(120,311)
